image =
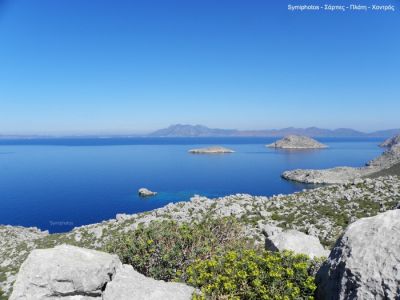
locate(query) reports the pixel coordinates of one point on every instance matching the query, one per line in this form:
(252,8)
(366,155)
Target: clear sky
(81,66)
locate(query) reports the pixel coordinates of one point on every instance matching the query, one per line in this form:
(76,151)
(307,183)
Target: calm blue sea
(58,184)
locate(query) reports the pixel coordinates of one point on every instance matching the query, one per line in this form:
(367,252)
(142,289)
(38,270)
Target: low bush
(250,275)
(164,249)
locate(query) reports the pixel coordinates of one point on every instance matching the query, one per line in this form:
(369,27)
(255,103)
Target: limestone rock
(297,142)
(129,284)
(295,241)
(270,230)
(365,262)
(389,158)
(143,192)
(64,271)
(68,272)
(391,141)
(211,150)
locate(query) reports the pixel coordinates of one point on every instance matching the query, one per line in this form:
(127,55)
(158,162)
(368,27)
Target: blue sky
(74,66)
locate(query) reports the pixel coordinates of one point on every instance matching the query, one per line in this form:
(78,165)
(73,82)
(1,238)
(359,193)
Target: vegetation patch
(250,275)
(164,250)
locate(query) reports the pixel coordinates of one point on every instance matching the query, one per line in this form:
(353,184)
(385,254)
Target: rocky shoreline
(322,212)
(393,141)
(388,159)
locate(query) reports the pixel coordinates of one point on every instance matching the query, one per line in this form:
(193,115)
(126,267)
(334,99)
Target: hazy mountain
(385,133)
(180,130)
(183,130)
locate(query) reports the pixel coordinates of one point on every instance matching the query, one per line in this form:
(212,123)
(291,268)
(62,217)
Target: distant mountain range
(182,130)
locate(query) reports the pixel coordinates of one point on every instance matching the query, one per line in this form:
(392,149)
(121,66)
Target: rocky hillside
(322,212)
(391,141)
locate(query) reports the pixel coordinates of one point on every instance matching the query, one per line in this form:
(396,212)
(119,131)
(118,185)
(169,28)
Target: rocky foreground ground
(321,212)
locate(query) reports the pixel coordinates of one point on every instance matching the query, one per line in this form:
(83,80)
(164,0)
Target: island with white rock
(297,142)
(211,150)
(143,192)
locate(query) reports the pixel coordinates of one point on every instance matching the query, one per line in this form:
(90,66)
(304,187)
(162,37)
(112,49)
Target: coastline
(388,161)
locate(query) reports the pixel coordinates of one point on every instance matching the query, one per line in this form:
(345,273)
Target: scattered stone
(365,262)
(297,142)
(211,150)
(129,284)
(295,241)
(143,192)
(122,217)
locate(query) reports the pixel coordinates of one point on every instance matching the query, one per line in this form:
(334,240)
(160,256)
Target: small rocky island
(297,142)
(143,192)
(211,150)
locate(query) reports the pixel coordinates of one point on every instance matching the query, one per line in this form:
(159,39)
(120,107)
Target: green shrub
(2,296)
(164,250)
(250,275)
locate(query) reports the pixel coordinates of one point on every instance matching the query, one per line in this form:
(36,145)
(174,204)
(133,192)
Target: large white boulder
(64,271)
(295,241)
(365,262)
(129,284)
(72,273)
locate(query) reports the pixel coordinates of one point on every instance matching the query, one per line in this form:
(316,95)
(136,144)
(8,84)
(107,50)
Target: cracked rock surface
(129,284)
(365,262)
(67,272)
(63,272)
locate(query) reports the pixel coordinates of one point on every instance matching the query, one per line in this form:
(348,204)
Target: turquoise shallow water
(59,184)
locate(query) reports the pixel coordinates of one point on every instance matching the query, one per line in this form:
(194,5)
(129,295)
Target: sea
(60,183)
